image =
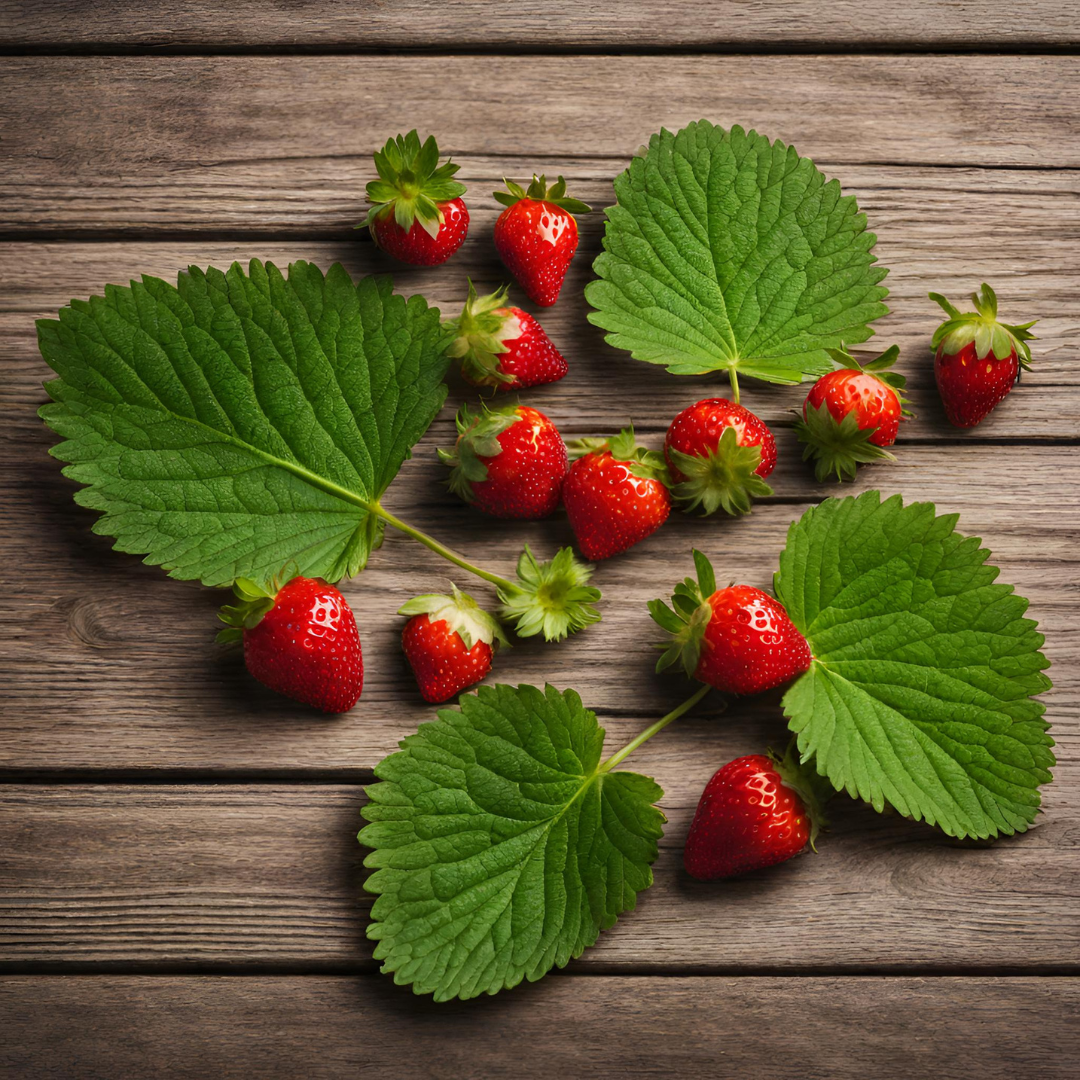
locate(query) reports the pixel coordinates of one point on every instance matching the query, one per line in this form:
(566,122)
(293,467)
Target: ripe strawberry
(738,639)
(300,640)
(754,812)
(537,235)
(719,454)
(416,212)
(503,346)
(615,494)
(508,462)
(852,414)
(449,642)
(978,359)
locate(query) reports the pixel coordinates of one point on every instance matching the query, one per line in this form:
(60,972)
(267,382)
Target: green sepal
(254,601)
(551,598)
(725,478)
(644,464)
(687,617)
(982,326)
(461,613)
(480,337)
(539,189)
(411,183)
(478,437)
(801,775)
(836,446)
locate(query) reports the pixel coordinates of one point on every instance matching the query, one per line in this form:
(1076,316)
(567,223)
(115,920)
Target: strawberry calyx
(254,602)
(813,789)
(687,617)
(725,478)
(552,598)
(478,437)
(461,613)
(642,463)
(982,327)
(411,185)
(540,192)
(480,335)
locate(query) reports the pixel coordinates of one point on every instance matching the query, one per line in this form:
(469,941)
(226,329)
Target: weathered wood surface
(271,874)
(329,1027)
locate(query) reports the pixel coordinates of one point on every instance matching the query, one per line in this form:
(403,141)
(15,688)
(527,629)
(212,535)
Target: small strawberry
(503,346)
(755,812)
(852,414)
(300,640)
(978,359)
(536,235)
(508,462)
(738,639)
(449,642)
(416,212)
(615,494)
(719,454)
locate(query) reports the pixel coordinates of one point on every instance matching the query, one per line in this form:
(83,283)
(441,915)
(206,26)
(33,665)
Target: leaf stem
(439,548)
(734,384)
(659,726)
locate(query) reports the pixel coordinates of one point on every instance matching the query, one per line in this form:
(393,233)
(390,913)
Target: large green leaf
(728,252)
(920,692)
(242,420)
(502,846)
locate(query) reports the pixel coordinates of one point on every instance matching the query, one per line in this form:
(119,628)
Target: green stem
(659,726)
(734,384)
(438,548)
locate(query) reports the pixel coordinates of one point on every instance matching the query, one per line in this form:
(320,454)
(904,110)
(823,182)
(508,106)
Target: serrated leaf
(501,847)
(238,421)
(728,252)
(921,690)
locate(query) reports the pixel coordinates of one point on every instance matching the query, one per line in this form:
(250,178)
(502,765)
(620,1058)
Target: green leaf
(920,693)
(728,252)
(242,420)
(501,845)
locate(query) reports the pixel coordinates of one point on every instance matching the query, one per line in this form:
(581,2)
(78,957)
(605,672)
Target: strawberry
(852,414)
(755,812)
(978,359)
(416,212)
(536,235)
(616,493)
(718,454)
(503,346)
(738,639)
(449,643)
(507,462)
(300,640)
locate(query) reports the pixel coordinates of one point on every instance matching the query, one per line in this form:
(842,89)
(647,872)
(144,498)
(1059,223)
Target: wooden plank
(327,1027)
(414,24)
(261,874)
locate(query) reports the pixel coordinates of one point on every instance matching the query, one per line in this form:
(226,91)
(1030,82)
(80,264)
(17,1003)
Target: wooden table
(180,887)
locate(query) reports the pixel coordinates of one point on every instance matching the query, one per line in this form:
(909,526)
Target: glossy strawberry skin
(537,240)
(307,647)
(611,509)
(442,665)
(874,402)
(696,431)
(531,358)
(417,247)
(747,819)
(525,480)
(971,388)
(750,644)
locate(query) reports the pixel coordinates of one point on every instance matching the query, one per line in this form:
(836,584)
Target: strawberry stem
(653,729)
(734,385)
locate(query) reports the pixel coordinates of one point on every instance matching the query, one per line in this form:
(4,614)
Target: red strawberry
(508,462)
(738,639)
(503,346)
(449,642)
(754,812)
(852,414)
(615,494)
(719,454)
(300,640)
(978,359)
(537,235)
(416,211)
